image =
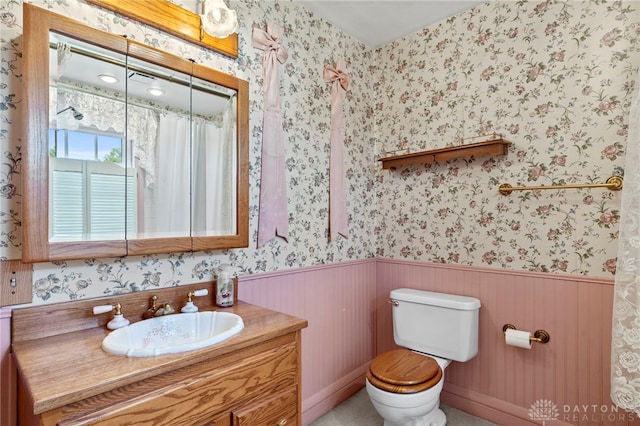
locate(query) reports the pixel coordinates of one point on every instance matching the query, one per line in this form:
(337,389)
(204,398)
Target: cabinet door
(278,410)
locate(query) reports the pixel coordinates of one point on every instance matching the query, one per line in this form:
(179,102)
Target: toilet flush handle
(393,302)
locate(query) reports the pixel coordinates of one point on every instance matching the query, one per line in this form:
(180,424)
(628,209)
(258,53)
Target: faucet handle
(202,292)
(118,320)
(189,307)
(101,309)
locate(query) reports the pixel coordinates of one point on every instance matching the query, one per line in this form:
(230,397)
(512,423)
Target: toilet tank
(440,324)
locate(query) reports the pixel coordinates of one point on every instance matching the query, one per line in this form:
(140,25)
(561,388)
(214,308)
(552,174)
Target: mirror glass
(213,161)
(86,135)
(136,150)
(129,150)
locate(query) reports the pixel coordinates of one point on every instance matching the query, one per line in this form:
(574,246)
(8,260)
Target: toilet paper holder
(540,336)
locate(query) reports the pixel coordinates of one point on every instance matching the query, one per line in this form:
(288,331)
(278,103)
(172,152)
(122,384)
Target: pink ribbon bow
(337,190)
(273,218)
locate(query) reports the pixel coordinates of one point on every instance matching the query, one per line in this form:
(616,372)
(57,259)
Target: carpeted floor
(358,411)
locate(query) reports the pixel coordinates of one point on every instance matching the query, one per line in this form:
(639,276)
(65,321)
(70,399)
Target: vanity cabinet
(256,387)
(251,379)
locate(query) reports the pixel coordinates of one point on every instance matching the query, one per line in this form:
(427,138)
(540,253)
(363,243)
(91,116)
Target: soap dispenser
(224,287)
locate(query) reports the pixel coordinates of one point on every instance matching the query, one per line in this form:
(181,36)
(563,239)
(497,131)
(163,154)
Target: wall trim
(304,269)
(501,271)
(5,313)
(458,267)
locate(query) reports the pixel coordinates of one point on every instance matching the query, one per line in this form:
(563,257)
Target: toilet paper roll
(518,338)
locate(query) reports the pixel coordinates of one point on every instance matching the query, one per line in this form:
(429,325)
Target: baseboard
(333,395)
(491,409)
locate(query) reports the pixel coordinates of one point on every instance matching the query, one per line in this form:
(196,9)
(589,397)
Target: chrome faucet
(154,311)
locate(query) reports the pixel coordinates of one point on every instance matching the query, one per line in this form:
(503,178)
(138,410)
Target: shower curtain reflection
(169,215)
(195,174)
(214,175)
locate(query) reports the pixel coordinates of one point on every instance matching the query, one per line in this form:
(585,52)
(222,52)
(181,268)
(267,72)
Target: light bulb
(217,19)
(216,15)
(107,78)
(155,91)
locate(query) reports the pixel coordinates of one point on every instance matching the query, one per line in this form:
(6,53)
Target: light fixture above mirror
(217,19)
(173,19)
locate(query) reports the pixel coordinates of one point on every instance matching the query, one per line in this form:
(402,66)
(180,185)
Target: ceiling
(84,66)
(378,22)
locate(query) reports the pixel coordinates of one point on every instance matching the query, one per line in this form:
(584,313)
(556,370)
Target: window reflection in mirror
(89,186)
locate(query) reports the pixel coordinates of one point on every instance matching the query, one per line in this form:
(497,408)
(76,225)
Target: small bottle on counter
(224,287)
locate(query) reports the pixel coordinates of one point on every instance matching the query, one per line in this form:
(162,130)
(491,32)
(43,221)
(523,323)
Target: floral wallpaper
(554,77)
(312,44)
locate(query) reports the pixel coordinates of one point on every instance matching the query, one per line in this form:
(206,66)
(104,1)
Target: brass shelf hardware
(614,183)
(540,336)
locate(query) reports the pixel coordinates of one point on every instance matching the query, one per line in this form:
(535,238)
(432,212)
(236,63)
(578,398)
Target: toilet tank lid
(453,301)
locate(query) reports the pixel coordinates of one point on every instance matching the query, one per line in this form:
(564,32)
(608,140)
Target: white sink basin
(172,333)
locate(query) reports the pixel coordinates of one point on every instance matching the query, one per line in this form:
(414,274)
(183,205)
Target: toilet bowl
(432,330)
(404,387)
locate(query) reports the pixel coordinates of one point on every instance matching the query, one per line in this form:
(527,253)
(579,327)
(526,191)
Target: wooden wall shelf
(496,147)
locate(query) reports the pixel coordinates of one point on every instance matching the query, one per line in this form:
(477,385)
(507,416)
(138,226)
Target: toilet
(433,329)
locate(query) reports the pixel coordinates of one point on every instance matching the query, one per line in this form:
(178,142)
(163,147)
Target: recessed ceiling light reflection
(155,91)
(107,78)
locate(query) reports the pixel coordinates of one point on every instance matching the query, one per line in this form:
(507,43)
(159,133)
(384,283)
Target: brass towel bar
(614,183)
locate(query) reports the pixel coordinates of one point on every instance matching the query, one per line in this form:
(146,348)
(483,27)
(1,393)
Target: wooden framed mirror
(129,150)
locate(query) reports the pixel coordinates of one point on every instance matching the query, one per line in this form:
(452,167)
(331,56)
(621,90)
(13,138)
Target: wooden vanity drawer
(276,410)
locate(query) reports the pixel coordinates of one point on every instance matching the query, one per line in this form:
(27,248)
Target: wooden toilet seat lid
(404,371)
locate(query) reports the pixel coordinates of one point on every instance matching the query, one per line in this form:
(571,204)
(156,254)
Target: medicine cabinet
(129,150)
